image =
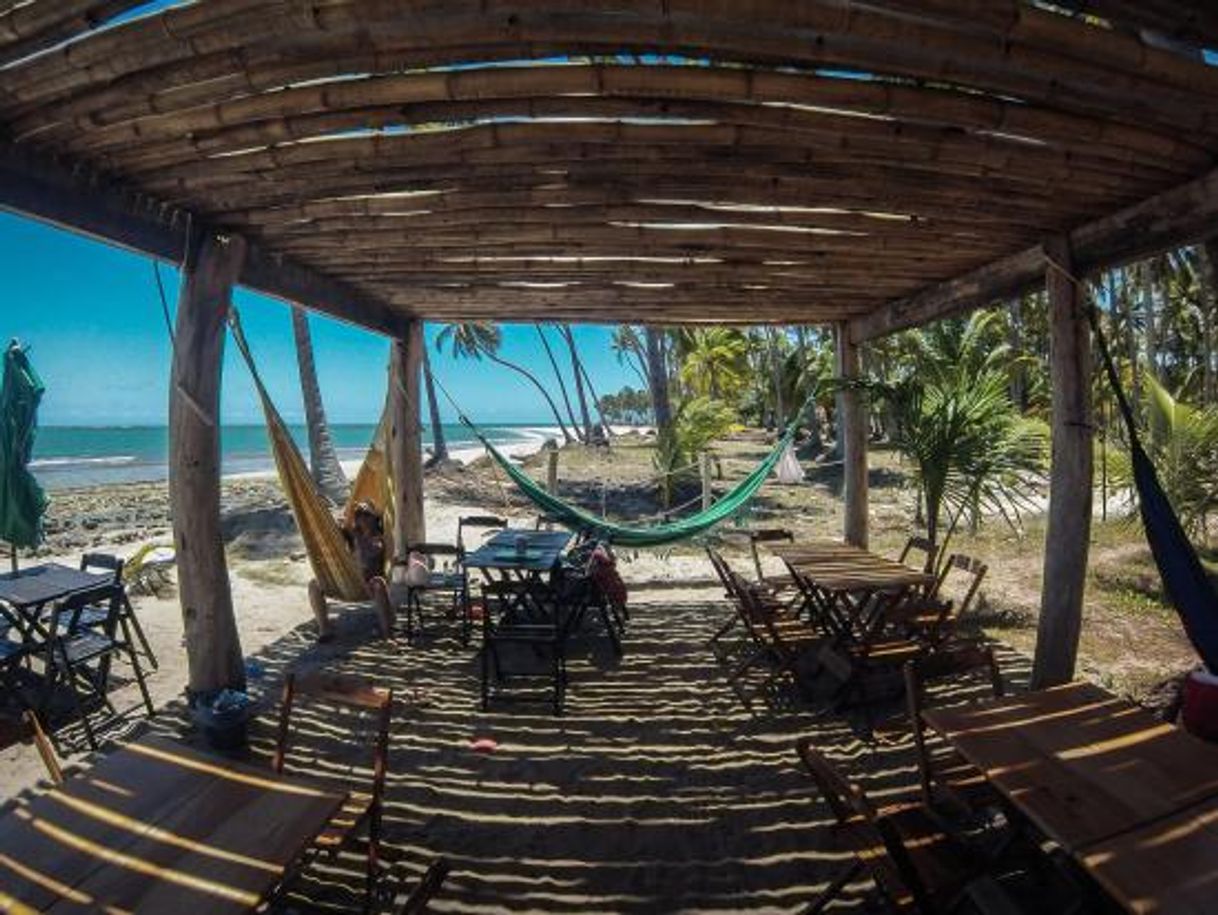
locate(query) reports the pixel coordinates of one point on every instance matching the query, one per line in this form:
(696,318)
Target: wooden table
(1133,799)
(841,583)
(159,827)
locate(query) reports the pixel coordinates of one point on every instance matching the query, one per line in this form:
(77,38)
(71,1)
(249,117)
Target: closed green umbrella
(22,501)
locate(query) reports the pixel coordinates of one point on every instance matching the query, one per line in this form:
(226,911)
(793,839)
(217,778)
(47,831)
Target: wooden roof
(633,160)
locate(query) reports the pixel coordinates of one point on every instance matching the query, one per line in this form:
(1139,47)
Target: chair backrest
(767,535)
(958,584)
(65,615)
(357,694)
(545,522)
(721,570)
(922,546)
(876,843)
(953,661)
(102,562)
(486,523)
(434,551)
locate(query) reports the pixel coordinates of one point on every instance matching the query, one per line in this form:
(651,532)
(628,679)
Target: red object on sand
(1200,706)
(484,744)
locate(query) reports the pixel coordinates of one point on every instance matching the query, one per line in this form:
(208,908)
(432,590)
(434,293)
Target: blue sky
(92,318)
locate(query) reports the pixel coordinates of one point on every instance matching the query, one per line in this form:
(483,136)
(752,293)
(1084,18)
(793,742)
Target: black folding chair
(451,578)
(515,647)
(80,656)
(95,617)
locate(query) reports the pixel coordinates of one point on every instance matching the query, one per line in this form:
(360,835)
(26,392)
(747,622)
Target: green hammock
(579,520)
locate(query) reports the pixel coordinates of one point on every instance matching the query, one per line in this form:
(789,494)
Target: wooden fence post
(551,468)
(707,495)
(213,646)
(1069,532)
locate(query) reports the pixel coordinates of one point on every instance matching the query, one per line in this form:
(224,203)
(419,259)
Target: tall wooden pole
(213,647)
(406,442)
(852,430)
(1069,533)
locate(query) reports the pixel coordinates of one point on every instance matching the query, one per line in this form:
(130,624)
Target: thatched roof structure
(883,162)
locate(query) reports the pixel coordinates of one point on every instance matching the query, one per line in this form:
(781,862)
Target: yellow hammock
(334,565)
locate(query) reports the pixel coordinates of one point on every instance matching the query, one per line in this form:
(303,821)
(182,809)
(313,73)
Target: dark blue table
(543,550)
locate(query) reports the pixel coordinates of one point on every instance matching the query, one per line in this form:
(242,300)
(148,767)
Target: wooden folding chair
(915,863)
(935,618)
(941,767)
(420,898)
(919,547)
(363,809)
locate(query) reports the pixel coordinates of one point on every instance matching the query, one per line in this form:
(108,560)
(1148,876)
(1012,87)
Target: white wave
(111,461)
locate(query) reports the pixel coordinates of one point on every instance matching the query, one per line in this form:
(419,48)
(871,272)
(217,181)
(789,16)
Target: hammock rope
(577,519)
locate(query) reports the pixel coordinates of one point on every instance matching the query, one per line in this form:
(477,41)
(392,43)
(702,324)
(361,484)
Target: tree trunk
(576,370)
(323,461)
(1148,305)
(1019,387)
(439,445)
(1209,312)
(213,646)
(406,442)
(596,402)
(852,432)
(562,387)
(780,413)
(1070,483)
(536,383)
(657,374)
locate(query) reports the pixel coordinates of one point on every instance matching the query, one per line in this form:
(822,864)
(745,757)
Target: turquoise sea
(71,456)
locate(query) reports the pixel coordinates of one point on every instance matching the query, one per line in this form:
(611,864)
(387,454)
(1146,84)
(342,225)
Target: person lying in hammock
(365,538)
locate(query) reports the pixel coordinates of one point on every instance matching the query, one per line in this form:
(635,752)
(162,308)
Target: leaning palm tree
(327,472)
(475,339)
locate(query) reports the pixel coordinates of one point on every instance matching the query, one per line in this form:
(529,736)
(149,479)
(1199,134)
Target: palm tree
(657,380)
(714,365)
(475,339)
(562,385)
(439,446)
(629,350)
(577,371)
(955,422)
(327,472)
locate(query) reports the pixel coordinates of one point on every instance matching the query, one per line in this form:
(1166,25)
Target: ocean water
(72,456)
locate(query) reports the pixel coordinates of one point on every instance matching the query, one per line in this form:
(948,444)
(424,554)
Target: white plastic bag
(788,469)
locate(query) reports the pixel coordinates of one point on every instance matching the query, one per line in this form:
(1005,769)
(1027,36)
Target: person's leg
(378,590)
(321,613)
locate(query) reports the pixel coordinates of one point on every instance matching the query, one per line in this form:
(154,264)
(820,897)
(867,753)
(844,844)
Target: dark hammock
(1185,580)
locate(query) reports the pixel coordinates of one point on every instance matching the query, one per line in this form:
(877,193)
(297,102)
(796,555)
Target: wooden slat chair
(779,639)
(95,617)
(935,619)
(921,549)
(724,573)
(779,585)
(362,811)
(79,656)
(450,578)
(915,863)
(940,767)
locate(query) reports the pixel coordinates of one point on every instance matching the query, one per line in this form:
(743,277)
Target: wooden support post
(852,430)
(551,468)
(705,465)
(406,442)
(213,647)
(1070,481)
